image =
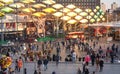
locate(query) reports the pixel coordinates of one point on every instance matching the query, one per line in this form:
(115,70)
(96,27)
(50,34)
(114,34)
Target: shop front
(75,35)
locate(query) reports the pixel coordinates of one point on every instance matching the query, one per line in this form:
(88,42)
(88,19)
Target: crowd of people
(51,51)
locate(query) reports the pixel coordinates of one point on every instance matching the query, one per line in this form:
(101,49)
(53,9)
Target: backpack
(39,62)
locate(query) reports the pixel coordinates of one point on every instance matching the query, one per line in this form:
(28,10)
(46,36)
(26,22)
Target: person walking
(113,47)
(16,65)
(39,63)
(84,65)
(74,56)
(97,62)
(101,64)
(86,70)
(20,64)
(93,59)
(58,50)
(87,59)
(45,62)
(112,56)
(57,59)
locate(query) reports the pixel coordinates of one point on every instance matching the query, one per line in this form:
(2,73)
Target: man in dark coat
(86,70)
(101,64)
(57,59)
(113,47)
(45,62)
(93,59)
(39,63)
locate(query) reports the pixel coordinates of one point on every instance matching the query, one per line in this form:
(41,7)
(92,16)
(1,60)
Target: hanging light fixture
(28,1)
(91,13)
(49,2)
(77,10)
(71,6)
(71,14)
(65,18)
(98,19)
(95,16)
(72,21)
(92,20)
(38,5)
(103,19)
(78,17)
(58,14)
(97,7)
(57,6)
(28,10)
(88,17)
(101,16)
(95,10)
(7,1)
(17,5)
(7,10)
(39,14)
(88,10)
(84,21)
(49,10)
(83,14)
(65,10)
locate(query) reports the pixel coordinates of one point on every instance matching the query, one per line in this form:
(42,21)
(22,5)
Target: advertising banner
(5,27)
